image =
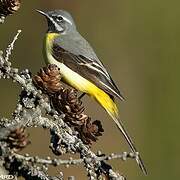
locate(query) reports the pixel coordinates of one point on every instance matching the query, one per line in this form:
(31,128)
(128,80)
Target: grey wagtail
(81,68)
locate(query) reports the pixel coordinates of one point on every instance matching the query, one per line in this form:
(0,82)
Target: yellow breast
(47,49)
(77,81)
(69,76)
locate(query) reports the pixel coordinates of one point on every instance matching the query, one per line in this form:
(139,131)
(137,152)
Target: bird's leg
(82,95)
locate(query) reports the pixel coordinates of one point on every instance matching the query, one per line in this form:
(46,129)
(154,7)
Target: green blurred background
(139,43)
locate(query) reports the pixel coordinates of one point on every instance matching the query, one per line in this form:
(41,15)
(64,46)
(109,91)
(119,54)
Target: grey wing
(84,61)
(77,45)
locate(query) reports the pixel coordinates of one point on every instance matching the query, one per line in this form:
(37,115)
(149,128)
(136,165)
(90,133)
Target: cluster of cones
(65,100)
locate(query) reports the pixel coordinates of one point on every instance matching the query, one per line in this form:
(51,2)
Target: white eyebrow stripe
(66,19)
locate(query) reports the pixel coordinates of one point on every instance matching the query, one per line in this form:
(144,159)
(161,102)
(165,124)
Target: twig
(56,162)
(11,46)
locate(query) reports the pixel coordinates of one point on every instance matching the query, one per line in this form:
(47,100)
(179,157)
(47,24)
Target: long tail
(131,144)
(109,105)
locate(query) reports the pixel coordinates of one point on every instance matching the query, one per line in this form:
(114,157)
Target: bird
(81,68)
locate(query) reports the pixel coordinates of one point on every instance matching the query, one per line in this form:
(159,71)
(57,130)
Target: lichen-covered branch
(45,102)
(56,162)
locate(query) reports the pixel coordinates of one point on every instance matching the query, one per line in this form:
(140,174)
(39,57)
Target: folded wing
(88,68)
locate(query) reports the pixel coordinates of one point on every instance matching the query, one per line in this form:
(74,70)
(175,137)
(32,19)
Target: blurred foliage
(139,43)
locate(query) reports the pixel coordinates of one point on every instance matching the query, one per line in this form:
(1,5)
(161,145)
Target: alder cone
(8,7)
(18,139)
(48,79)
(65,101)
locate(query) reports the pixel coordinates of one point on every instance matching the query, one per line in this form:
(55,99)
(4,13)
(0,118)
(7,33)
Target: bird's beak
(57,26)
(43,13)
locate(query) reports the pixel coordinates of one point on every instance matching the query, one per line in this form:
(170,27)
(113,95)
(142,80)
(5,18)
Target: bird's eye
(60,18)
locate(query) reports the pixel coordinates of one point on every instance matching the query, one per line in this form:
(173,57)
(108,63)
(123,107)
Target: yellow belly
(77,81)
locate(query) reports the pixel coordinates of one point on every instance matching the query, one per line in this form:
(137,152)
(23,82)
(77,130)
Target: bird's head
(59,21)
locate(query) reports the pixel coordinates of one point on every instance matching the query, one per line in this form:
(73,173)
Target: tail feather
(131,144)
(109,105)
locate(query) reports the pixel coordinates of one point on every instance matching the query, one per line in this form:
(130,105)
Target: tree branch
(34,109)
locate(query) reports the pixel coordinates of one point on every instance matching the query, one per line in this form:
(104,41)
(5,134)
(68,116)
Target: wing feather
(88,68)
